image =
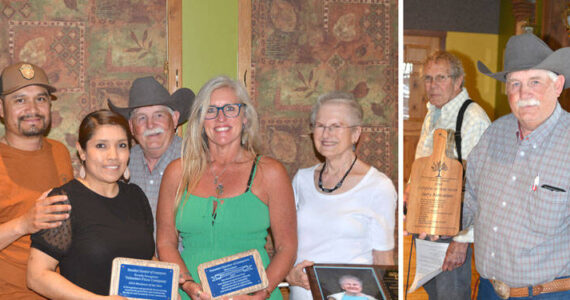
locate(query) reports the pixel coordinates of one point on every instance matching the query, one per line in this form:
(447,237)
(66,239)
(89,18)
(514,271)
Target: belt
(557,285)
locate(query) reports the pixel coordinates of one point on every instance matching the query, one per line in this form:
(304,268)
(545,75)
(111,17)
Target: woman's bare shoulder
(271,165)
(174,168)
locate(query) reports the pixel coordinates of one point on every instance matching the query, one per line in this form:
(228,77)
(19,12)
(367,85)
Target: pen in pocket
(552,188)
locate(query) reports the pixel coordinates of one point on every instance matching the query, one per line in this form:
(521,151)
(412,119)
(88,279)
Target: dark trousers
(455,284)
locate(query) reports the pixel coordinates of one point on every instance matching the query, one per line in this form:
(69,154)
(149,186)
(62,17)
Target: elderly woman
(352,289)
(220,196)
(345,208)
(108,218)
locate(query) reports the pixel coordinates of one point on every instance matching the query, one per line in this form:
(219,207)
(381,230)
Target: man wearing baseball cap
(153,116)
(518,180)
(30,165)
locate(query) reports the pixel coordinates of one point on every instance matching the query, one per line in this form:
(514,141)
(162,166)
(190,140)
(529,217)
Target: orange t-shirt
(24,176)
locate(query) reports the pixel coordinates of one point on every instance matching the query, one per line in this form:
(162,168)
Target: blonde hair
(195,150)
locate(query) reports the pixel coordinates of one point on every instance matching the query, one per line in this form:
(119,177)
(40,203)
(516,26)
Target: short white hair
(550,74)
(354,108)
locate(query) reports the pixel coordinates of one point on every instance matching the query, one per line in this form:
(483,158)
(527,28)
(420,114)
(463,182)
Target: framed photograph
(363,282)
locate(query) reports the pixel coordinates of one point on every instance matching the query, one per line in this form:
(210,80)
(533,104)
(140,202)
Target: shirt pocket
(548,209)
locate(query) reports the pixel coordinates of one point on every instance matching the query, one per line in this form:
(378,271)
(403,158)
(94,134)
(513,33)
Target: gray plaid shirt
(517,197)
(150,182)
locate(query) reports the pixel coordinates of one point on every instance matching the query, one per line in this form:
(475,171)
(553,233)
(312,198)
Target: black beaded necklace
(339,184)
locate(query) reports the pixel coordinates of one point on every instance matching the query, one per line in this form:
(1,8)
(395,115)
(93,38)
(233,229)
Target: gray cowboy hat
(527,51)
(146,91)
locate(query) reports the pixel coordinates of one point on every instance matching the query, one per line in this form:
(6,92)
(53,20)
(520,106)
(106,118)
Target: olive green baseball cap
(23,74)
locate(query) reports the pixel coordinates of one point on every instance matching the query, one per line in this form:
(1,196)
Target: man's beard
(33,130)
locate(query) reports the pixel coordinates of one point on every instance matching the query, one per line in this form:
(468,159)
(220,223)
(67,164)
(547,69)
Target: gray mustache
(157,130)
(528,102)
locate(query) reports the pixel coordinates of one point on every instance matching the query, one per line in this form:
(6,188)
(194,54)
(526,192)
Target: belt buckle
(501,288)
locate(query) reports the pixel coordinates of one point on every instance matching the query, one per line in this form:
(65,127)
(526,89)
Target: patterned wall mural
(91,50)
(303,48)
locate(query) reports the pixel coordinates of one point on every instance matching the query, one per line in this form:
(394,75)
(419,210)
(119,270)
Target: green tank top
(239,224)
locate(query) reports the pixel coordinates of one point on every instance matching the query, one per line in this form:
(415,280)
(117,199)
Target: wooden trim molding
(244,42)
(173,66)
(523,11)
(441,34)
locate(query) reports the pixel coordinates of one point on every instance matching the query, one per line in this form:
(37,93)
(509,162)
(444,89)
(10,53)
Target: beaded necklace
(339,184)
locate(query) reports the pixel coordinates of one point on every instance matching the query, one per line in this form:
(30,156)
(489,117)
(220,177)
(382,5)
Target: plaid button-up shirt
(150,181)
(517,197)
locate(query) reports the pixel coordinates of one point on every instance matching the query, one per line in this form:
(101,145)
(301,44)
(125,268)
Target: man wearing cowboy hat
(153,116)
(518,180)
(30,164)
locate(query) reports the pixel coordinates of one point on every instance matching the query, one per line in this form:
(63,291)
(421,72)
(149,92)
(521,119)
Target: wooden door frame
(244,43)
(173,65)
(441,34)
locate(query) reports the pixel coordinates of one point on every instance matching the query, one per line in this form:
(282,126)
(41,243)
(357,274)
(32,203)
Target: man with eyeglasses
(517,195)
(443,79)
(153,116)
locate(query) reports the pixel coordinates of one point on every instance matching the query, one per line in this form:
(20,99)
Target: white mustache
(153,131)
(529,102)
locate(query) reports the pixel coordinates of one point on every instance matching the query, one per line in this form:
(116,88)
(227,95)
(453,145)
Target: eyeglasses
(514,86)
(438,78)
(334,128)
(229,110)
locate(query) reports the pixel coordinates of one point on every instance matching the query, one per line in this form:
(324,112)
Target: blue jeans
(486,292)
(455,284)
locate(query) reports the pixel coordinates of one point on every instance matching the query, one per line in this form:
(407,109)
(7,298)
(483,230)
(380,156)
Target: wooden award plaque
(144,279)
(434,202)
(237,274)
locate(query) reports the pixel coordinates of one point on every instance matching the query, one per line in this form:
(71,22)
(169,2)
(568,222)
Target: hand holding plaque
(144,279)
(434,203)
(237,274)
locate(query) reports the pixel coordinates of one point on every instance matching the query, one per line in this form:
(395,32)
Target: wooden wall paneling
(523,11)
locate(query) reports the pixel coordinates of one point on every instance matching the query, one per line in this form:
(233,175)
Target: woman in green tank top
(220,197)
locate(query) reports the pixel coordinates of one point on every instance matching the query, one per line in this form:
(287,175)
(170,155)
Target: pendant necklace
(217,182)
(339,184)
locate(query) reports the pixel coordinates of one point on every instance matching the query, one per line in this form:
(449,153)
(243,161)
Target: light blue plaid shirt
(475,121)
(517,197)
(150,182)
